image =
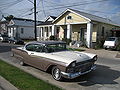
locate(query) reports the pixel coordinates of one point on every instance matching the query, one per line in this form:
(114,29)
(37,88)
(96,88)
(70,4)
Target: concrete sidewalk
(102,52)
(5,85)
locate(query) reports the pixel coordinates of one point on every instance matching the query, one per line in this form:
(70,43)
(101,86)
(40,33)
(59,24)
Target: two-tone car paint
(84,62)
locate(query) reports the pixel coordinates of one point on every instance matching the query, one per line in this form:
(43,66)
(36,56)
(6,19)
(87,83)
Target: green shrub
(118,47)
(52,38)
(67,40)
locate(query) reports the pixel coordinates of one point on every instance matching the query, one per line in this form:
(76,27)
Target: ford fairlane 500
(53,56)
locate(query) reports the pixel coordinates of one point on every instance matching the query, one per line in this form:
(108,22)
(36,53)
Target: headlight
(95,58)
(73,64)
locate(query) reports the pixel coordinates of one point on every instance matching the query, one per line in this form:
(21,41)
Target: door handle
(31,53)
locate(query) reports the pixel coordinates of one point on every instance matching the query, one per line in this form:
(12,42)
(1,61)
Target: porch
(84,32)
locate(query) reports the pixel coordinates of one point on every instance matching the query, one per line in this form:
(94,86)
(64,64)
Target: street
(105,77)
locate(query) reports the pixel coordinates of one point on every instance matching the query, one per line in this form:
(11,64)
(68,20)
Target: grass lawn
(23,80)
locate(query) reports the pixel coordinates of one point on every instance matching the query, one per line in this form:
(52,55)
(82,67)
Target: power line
(10,4)
(43,8)
(4,4)
(31,1)
(75,4)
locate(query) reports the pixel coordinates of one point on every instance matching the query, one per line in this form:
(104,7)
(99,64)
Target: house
(45,29)
(3,26)
(81,26)
(21,28)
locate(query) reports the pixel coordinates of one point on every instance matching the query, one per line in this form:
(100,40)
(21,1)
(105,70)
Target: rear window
(110,39)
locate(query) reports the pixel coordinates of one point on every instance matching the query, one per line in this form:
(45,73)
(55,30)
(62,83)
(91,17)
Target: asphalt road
(105,77)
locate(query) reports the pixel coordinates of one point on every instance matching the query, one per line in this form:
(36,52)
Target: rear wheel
(22,63)
(14,42)
(12,54)
(105,48)
(56,73)
(9,41)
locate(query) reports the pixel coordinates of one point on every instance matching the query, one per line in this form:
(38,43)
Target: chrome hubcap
(56,73)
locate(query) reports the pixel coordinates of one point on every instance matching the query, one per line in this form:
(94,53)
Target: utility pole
(35,29)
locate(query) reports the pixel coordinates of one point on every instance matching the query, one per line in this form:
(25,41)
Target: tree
(9,17)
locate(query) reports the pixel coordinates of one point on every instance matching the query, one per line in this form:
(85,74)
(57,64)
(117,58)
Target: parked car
(3,38)
(53,56)
(112,43)
(15,40)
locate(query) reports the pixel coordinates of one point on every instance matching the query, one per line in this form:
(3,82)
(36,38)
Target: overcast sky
(23,8)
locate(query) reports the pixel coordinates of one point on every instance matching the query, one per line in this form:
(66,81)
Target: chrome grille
(84,66)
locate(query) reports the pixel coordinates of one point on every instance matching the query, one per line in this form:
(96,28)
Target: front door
(83,34)
(65,33)
(32,56)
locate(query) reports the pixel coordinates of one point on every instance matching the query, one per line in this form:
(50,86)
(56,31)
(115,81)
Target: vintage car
(53,56)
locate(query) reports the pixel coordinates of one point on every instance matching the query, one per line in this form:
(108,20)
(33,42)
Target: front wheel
(56,73)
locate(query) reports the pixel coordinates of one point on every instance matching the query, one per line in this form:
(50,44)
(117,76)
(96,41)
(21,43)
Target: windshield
(110,39)
(56,47)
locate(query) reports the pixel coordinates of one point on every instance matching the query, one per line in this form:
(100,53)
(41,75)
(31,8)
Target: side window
(22,30)
(34,47)
(30,47)
(103,29)
(69,17)
(38,48)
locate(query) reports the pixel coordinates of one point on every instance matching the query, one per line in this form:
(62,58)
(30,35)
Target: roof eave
(70,11)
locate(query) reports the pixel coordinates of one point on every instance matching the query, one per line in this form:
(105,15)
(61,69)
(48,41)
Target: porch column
(44,33)
(49,31)
(69,28)
(89,34)
(53,30)
(41,33)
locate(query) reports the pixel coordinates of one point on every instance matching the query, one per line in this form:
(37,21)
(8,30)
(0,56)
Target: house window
(22,30)
(103,29)
(69,17)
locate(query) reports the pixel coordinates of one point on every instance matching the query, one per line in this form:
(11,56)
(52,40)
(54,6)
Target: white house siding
(107,30)
(28,32)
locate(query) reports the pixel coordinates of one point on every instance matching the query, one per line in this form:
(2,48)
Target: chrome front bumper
(74,75)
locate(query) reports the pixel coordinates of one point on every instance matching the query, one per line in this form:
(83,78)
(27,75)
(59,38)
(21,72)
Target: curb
(6,85)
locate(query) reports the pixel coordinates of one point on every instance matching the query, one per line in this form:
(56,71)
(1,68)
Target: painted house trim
(81,27)
(69,10)
(88,17)
(21,28)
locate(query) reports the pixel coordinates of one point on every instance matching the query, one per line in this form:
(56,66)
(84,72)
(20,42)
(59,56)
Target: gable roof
(88,16)
(22,22)
(47,21)
(50,17)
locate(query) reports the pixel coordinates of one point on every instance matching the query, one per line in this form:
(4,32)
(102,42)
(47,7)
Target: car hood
(70,56)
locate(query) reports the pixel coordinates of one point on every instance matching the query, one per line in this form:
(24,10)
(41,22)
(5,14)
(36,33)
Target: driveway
(105,77)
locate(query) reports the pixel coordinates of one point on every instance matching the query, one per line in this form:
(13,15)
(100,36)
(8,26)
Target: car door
(34,56)
(27,53)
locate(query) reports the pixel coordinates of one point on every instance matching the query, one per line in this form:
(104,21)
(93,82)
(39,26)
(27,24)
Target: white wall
(28,32)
